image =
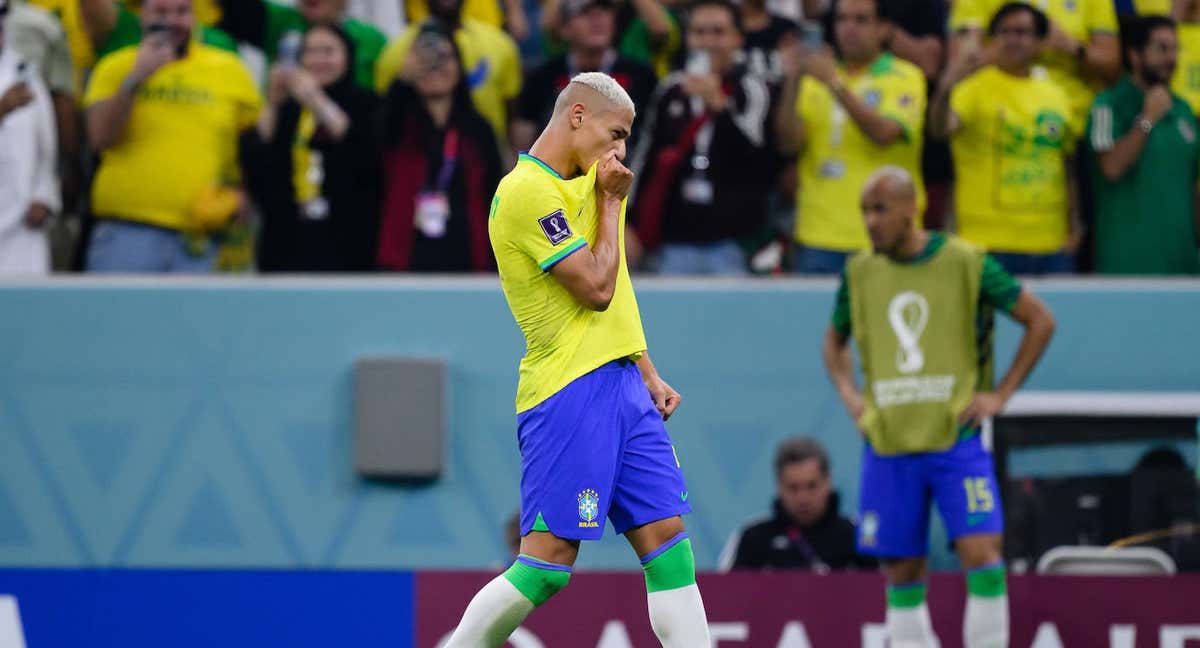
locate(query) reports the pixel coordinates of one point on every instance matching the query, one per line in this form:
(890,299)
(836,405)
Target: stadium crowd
(369,135)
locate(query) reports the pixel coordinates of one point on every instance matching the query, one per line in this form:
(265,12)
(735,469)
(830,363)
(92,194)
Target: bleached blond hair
(601,84)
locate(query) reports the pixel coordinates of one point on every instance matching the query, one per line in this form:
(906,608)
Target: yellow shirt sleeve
(510,68)
(391,60)
(539,227)
(246,96)
(966,14)
(964,105)
(804,100)
(904,102)
(1101,17)
(106,78)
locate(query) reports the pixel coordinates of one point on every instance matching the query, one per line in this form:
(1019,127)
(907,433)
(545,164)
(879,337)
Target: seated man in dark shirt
(805,530)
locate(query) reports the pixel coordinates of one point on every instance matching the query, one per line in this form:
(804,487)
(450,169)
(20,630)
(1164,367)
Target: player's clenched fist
(613,179)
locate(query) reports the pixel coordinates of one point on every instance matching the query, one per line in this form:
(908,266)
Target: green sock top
(987,581)
(673,568)
(536,579)
(906,595)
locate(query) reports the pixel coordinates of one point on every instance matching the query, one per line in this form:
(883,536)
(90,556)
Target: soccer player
(590,404)
(920,307)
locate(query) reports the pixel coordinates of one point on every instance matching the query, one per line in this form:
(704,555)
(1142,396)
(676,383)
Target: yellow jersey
(537,220)
(1080,19)
(1186,82)
(838,157)
(485,11)
(1013,139)
(181,139)
(1152,7)
(491,65)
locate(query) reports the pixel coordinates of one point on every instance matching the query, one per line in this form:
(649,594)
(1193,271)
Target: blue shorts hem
(653,516)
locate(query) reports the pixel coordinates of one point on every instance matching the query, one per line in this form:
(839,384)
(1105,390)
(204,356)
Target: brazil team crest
(868,529)
(589,508)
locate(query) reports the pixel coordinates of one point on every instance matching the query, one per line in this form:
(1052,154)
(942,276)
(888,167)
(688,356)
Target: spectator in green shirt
(115,25)
(264,24)
(1145,164)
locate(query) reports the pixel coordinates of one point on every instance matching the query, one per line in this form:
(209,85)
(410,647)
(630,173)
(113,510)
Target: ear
(576,115)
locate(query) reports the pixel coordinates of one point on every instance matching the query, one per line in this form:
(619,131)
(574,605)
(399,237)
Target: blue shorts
(895,491)
(598,449)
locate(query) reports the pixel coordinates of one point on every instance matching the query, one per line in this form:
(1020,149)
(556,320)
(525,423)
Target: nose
(620,150)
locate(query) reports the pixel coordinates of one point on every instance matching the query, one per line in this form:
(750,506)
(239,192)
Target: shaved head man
(889,206)
(590,404)
(920,306)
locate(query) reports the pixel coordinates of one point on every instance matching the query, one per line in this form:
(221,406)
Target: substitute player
(590,405)
(920,307)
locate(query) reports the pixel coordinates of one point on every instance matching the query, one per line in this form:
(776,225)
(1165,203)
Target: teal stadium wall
(207,423)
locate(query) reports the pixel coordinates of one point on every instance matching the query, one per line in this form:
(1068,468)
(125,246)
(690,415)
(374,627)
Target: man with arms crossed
(920,307)
(590,405)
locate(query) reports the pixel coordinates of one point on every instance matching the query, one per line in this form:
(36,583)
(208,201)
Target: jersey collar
(525,156)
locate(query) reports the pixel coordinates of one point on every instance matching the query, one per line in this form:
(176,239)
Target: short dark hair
(734,13)
(798,450)
(882,11)
(1136,33)
(1041,24)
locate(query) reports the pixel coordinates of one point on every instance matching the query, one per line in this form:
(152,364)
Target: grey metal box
(400,417)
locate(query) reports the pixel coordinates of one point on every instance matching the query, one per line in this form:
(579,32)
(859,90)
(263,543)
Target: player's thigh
(547,547)
(650,485)
(893,506)
(570,449)
(965,489)
(905,570)
(979,550)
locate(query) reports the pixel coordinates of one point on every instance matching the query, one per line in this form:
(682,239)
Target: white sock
(986,622)
(678,618)
(491,617)
(910,627)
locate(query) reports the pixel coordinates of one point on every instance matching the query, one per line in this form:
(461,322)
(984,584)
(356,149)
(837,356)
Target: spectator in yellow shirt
(1081,49)
(1012,136)
(847,118)
(490,61)
(165,117)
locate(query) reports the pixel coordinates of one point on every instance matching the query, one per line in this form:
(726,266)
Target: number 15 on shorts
(979,495)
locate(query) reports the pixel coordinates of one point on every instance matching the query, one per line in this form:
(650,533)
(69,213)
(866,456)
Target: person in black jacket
(805,531)
(703,164)
(441,164)
(311,164)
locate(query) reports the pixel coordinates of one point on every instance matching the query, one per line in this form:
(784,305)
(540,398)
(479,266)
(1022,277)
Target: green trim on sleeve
(562,254)
(841,308)
(998,287)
